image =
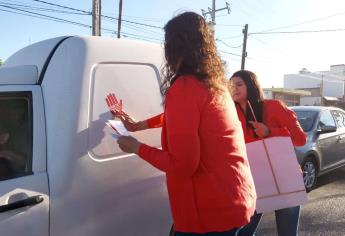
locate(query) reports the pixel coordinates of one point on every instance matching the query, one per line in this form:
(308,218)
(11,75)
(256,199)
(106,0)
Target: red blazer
(280,120)
(208,177)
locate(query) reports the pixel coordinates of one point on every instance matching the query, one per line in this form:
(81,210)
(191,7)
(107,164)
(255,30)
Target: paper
(276,173)
(115,136)
(118,127)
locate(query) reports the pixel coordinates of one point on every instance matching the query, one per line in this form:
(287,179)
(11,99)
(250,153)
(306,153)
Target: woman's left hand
(260,129)
(129,144)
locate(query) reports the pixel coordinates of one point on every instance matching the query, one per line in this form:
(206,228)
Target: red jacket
(208,177)
(280,120)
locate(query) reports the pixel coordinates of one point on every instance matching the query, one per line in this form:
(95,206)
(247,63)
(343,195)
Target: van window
(15,135)
(138,87)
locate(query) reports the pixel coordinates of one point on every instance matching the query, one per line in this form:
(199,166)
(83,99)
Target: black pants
(232,232)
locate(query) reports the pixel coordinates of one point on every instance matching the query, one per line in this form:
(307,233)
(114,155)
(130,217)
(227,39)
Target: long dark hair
(190,49)
(254,95)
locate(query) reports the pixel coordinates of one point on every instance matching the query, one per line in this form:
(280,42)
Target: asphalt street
(324,215)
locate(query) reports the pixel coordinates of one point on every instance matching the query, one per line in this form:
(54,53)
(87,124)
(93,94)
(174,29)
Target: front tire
(310,171)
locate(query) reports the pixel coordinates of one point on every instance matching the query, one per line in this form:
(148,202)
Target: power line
(323,77)
(131,26)
(258,19)
(233,37)
(46,16)
(109,17)
(230,53)
(58,5)
(41,9)
(227,25)
(146,18)
(304,22)
(18,13)
(298,32)
(22,6)
(60,20)
(131,22)
(267,44)
(219,40)
(142,30)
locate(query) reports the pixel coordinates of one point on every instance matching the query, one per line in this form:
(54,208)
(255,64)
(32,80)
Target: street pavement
(324,215)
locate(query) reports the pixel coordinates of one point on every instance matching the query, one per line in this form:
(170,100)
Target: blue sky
(269,55)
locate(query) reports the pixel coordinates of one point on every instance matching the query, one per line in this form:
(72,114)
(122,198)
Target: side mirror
(326,129)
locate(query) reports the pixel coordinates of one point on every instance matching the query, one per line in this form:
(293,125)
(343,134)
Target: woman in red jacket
(273,119)
(210,187)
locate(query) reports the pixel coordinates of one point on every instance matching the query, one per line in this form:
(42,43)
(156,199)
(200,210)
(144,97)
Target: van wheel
(310,171)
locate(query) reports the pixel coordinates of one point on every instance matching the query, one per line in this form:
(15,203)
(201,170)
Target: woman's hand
(116,109)
(260,129)
(129,144)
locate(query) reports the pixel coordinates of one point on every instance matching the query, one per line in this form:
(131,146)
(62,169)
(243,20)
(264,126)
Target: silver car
(325,147)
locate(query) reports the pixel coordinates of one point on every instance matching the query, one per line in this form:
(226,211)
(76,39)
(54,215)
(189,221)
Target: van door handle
(30,201)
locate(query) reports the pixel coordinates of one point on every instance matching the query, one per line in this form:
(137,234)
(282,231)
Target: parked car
(325,147)
(61,172)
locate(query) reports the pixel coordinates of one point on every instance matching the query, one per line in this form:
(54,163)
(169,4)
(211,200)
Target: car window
(306,119)
(339,118)
(15,135)
(326,119)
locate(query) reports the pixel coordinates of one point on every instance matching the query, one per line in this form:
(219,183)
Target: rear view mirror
(326,129)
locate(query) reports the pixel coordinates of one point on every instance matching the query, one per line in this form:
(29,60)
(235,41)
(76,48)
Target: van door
(24,197)
(132,197)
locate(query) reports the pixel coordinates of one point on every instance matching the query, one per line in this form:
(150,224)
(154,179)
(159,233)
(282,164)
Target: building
(329,83)
(291,97)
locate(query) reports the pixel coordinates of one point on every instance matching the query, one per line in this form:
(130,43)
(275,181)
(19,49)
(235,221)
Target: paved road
(324,215)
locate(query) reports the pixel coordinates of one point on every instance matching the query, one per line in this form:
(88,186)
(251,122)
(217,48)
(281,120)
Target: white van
(61,173)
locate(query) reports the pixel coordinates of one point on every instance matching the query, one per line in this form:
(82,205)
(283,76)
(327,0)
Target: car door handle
(30,201)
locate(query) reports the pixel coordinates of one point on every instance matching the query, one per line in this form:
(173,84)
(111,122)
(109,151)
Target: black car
(325,147)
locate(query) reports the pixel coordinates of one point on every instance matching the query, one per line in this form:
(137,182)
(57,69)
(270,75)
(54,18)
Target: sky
(280,40)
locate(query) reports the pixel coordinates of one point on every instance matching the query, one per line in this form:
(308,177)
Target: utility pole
(96,17)
(119,20)
(244,48)
(212,12)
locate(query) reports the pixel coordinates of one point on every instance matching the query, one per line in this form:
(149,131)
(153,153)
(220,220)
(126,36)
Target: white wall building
(331,82)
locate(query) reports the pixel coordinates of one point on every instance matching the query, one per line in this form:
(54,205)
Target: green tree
(1,62)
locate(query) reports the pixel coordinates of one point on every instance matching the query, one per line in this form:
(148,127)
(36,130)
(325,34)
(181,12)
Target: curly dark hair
(190,49)
(255,94)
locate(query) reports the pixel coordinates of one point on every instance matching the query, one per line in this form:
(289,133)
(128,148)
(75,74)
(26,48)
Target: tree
(1,62)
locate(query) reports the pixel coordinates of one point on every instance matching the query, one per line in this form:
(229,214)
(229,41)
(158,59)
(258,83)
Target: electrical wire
(46,16)
(60,20)
(304,22)
(219,40)
(230,53)
(298,32)
(109,17)
(42,9)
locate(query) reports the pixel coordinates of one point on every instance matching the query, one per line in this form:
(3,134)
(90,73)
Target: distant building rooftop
(289,91)
(330,98)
